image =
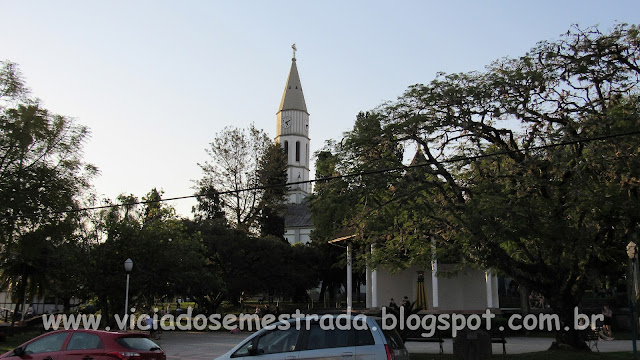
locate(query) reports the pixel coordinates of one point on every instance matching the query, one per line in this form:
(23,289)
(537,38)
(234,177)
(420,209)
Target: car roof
(101,332)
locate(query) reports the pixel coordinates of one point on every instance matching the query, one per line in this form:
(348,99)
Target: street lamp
(632,253)
(128,266)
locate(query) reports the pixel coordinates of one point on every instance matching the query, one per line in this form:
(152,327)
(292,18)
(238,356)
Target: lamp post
(349,279)
(632,252)
(128,266)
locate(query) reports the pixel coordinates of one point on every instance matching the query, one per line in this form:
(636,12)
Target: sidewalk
(517,345)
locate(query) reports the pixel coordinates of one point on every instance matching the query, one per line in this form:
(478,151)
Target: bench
(497,337)
(592,336)
(437,337)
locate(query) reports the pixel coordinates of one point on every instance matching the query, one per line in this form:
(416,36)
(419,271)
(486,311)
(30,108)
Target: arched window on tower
(286,149)
(297,150)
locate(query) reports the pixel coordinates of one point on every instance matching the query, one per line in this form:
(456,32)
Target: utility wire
(335,177)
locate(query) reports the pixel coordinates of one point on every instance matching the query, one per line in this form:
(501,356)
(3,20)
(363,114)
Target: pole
(374,284)
(126,298)
(632,307)
(434,275)
(368,283)
(24,304)
(349,280)
(635,281)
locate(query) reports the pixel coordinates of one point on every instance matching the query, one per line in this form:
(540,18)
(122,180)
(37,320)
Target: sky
(156,80)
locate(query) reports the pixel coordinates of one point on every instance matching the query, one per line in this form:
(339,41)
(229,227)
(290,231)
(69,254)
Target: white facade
(469,290)
(300,235)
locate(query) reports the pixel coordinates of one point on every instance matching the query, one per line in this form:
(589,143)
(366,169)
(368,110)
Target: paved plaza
(209,345)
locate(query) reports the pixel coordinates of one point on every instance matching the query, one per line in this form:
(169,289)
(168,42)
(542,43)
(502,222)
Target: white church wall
(298,235)
(290,236)
(465,291)
(400,284)
(305,235)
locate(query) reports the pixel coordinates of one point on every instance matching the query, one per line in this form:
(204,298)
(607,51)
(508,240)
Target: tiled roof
(298,215)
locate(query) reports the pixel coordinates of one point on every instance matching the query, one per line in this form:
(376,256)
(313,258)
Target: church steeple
(293,98)
(292,133)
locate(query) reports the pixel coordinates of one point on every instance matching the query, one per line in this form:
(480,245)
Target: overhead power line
(345,176)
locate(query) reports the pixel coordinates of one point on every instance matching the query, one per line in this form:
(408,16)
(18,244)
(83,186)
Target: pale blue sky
(155,80)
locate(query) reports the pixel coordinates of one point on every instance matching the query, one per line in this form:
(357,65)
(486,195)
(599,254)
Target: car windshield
(138,343)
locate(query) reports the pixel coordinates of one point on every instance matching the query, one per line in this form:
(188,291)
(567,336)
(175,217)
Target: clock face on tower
(286,122)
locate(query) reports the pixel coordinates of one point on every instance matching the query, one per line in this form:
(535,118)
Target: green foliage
(233,166)
(168,259)
(344,204)
(272,173)
(42,180)
(209,206)
(347,205)
(555,219)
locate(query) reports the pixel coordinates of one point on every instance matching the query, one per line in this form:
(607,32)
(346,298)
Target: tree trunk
(24,305)
(13,317)
(323,290)
(525,307)
(66,305)
(568,337)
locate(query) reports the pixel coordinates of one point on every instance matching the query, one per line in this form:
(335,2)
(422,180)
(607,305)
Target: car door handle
(290,358)
(87,358)
(347,354)
(48,358)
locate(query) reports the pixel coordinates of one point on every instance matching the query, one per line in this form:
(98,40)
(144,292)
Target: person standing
(393,305)
(406,304)
(606,323)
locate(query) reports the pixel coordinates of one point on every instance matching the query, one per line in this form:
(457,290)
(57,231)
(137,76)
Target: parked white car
(317,341)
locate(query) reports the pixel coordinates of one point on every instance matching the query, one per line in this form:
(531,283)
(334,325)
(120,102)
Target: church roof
(298,215)
(419,158)
(293,98)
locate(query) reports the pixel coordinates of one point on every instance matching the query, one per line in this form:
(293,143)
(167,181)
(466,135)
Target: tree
(272,174)
(233,166)
(42,179)
(168,259)
(209,206)
(343,206)
(330,210)
(554,218)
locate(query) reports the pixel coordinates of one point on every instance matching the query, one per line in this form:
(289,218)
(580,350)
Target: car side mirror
(252,350)
(19,351)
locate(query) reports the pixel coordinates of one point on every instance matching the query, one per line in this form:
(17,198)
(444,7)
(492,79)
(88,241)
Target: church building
(292,133)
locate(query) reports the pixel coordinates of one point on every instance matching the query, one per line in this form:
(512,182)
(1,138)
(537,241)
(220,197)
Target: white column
(496,298)
(434,282)
(374,284)
(349,289)
(368,284)
(489,281)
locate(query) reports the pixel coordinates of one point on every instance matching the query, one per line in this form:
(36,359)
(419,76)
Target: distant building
(292,133)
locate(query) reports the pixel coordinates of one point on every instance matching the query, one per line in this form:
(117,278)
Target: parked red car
(88,345)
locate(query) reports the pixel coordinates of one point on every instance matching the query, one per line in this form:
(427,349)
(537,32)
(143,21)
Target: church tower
(292,133)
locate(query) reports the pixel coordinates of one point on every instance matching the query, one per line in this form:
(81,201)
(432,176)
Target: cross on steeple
(294,51)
